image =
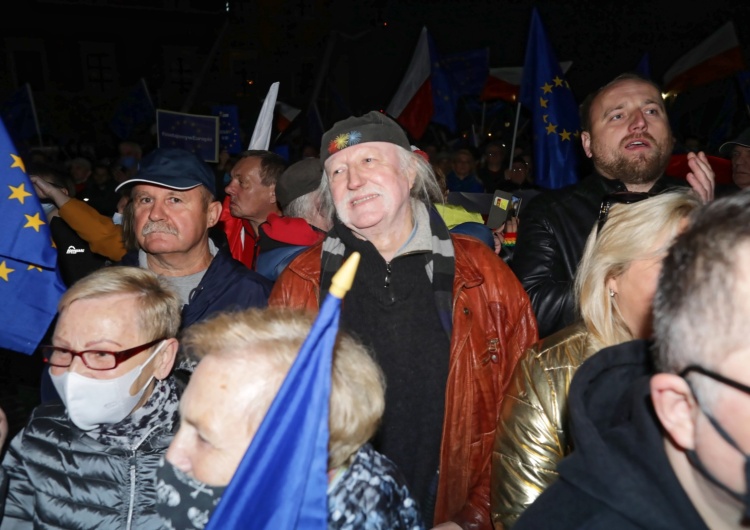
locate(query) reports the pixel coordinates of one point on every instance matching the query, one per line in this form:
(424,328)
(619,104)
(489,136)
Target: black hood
(618,457)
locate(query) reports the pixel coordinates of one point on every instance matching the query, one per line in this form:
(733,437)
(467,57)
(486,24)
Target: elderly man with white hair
(446,318)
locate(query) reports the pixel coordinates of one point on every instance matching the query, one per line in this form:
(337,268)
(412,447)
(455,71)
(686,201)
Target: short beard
(641,170)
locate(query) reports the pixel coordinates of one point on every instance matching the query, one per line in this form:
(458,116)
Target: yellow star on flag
(34,267)
(543,102)
(17,162)
(565,135)
(551,128)
(546,88)
(558,81)
(19,192)
(5,271)
(33,221)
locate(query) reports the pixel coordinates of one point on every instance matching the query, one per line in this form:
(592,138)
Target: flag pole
(148,94)
(515,133)
(33,113)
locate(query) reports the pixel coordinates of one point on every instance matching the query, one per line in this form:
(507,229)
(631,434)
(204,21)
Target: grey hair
(425,189)
(701,305)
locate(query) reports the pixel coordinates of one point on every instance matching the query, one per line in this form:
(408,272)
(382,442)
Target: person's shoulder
(227,269)
(565,348)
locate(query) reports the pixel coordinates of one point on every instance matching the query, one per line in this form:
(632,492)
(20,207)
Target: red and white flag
(715,58)
(412,106)
(505,83)
(285,115)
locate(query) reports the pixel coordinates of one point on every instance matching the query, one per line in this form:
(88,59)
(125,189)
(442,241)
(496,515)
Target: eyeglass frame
(619,197)
(715,376)
(119,356)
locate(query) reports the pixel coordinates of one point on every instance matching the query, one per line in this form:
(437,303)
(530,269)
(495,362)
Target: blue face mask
(117,218)
(128,162)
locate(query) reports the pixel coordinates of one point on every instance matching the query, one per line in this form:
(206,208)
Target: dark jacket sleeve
(542,266)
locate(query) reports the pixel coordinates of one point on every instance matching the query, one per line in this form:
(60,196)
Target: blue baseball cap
(173,168)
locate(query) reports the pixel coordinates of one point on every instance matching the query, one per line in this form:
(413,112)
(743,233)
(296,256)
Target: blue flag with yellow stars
(30,285)
(555,122)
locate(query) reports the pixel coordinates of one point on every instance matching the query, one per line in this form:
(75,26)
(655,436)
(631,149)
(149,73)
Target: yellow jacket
(532,429)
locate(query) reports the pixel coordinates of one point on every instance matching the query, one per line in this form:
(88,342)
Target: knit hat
(371,127)
(742,140)
(298,179)
(173,168)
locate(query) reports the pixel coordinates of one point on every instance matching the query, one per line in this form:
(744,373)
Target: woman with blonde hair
(614,288)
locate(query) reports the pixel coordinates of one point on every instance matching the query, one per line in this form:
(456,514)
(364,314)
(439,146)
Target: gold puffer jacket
(492,326)
(532,430)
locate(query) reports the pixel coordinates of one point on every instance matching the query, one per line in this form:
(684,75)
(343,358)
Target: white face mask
(92,402)
(117,218)
(48,208)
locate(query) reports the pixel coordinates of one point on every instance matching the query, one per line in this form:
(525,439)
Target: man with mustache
(626,134)
(444,315)
(173,205)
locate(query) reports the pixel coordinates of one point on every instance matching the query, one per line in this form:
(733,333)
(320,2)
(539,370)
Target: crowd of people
(582,365)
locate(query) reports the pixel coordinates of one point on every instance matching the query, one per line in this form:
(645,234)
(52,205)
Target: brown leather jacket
(493,324)
(532,432)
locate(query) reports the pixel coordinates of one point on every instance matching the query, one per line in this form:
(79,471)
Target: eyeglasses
(717,377)
(93,359)
(619,197)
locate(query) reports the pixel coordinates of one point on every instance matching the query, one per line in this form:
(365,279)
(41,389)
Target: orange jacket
(493,324)
(103,236)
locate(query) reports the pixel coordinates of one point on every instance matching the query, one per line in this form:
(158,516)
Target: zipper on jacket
(133,459)
(132,492)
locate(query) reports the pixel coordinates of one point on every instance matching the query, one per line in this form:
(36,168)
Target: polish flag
(715,58)
(285,115)
(411,106)
(505,83)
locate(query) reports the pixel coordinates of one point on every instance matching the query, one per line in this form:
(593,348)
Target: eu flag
(555,122)
(19,116)
(30,285)
(282,479)
(135,110)
(444,94)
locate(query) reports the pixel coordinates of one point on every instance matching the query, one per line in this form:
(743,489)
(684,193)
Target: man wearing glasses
(90,460)
(627,136)
(670,447)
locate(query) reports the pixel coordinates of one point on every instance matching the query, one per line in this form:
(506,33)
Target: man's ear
(676,408)
(586,142)
(272,193)
(214,213)
(166,358)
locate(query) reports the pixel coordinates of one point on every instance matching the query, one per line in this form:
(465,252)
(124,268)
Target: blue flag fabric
(30,285)
(555,122)
(444,94)
(644,66)
(282,479)
(18,115)
(229,127)
(743,81)
(468,70)
(136,109)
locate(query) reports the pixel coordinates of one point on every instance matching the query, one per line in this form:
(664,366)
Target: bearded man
(626,134)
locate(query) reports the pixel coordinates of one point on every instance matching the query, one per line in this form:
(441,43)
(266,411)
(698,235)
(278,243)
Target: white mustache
(158,226)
